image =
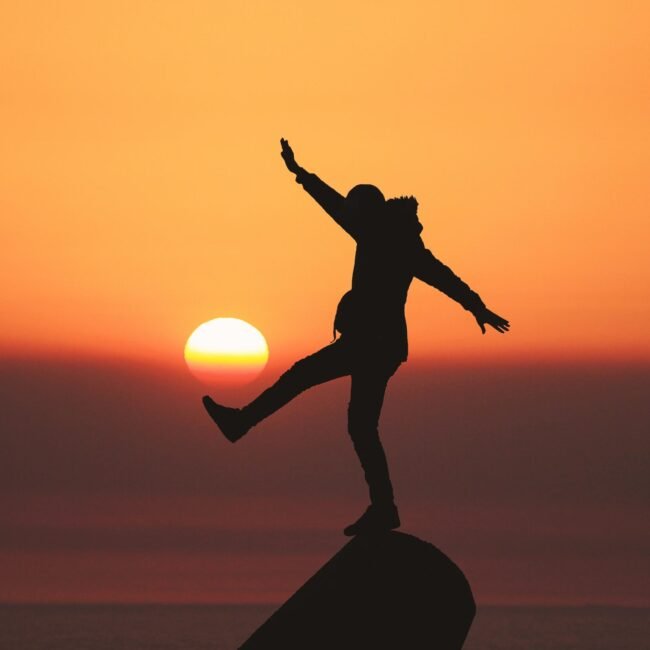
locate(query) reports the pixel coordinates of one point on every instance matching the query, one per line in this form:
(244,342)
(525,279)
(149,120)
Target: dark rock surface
(390,590)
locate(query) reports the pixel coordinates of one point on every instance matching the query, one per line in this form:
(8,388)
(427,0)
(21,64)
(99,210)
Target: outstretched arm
(431,270)
(328,198)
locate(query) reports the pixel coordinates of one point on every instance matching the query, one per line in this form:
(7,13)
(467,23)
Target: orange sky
(142,191)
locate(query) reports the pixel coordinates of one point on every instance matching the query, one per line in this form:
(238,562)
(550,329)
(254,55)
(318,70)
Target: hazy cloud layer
(534,478)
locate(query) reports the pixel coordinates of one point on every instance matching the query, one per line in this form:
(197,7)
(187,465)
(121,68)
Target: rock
(389,590)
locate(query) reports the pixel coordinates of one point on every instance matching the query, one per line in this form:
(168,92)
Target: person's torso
(381,279)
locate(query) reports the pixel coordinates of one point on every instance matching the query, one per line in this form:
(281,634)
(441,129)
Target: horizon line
(542,357)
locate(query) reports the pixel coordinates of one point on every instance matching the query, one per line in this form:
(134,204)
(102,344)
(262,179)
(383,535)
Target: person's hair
(403,204)
(404,211)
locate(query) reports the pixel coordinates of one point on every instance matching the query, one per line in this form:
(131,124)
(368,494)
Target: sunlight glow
(226,351)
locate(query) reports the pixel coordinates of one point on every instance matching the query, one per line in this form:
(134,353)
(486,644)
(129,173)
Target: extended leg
(328,363)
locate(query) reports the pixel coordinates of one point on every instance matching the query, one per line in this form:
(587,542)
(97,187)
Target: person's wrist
(478,310)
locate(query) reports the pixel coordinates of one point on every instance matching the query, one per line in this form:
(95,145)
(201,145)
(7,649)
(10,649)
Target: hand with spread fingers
(288,157)
(486,317)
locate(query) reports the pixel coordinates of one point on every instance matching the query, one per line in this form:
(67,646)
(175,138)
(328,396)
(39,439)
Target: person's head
(363,201)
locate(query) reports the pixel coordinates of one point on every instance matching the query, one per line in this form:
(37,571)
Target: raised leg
(328,363)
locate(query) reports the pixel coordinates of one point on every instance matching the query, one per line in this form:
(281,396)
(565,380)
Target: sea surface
(224,627)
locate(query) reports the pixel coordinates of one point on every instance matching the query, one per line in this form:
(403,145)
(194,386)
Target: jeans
(369,369)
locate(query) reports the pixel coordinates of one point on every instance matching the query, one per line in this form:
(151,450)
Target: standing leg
(328,363)
(366,399)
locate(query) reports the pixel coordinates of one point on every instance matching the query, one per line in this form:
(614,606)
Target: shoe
(375,519)
(227,419)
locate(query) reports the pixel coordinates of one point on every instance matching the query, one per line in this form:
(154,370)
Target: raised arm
(328,198)
(431,270)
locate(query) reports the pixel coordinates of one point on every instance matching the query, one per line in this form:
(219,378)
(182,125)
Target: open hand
(486,317)
(287,156)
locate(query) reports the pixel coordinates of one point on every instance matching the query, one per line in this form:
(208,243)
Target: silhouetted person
(370,318)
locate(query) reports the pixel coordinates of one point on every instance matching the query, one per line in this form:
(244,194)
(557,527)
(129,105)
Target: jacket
(389,254)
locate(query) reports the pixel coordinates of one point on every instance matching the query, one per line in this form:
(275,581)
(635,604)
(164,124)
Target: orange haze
(143,192)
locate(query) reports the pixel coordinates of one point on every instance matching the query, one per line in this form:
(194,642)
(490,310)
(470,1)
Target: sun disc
(226,351)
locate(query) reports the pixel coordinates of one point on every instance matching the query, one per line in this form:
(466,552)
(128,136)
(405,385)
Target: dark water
(218,627)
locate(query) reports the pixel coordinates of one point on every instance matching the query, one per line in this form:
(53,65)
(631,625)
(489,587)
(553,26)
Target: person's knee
(299,373)
(361,428)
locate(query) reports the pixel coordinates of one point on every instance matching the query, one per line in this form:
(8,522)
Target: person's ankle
(384,505)
(246,420)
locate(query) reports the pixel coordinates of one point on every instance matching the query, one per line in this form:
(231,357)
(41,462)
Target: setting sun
(226,351)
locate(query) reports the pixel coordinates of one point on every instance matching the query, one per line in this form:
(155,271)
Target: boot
(229,420)
(377,518)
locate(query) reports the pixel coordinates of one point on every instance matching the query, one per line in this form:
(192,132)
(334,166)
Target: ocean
(224,627)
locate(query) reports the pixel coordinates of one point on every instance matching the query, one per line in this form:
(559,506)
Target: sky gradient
(142,193)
